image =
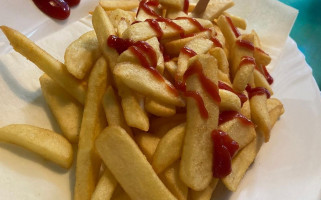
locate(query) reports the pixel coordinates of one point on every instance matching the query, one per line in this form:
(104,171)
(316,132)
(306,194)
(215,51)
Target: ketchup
(226,116)
(186,5)
(57,9)
(249,45)
(224,149)
(200,103)
(224,86)
(234,29)
(144,5)
(216,42)
(119,44)
(257,91)
(245,60)
(154,24)
(72,3)
(267,75)
(188,51)
(195,23)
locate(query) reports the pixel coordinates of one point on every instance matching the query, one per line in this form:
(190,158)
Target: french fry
(160,126)
(82,54)
(143,81)
(216,7)
(237,21)
(242,133)
(105,186)
(199,46)
(121,19)
(147,143)
(226,30)
(260,114)
(63,106)
(221,58)
(120,194)
(240,164)
(275,108)
(229,101)
(104,28)
(242,77)
(46,143)
(174,47)
(135,30)
(124,5)
(172,181)
(173,4)
(205,194)
(55,69)
(171,67)
(246,109)
(174,13)
(158,108)
(196,162)
(169,148)
(88,161)
(113,110)
(260,81)
(132,171)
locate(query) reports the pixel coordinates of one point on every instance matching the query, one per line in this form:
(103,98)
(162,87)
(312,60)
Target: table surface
(307,31)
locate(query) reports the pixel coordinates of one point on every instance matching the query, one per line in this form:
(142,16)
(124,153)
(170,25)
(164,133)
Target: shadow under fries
(33,97)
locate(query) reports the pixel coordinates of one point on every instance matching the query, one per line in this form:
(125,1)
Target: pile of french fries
(139,135)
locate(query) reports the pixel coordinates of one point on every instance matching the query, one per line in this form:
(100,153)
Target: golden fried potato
(275,108)
(205,194)
(124,5)
(215,8)
(105,186)
(82,54)
(63,106)
(158,108)
(46,143)
(132,171)
(229,101)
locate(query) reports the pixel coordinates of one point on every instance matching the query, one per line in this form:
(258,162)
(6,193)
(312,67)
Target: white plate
(288,167)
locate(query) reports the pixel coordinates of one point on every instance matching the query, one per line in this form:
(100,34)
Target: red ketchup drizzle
(257,91)
(188,51)
(200,103)
(119,44)
(226,116)
(224,149)
(165,54)
(154,24)
(234,29)
(246,60)
(216,42)
(172,24)
(267,75)
(144,4)
(57,9)
(224,86)
(249,45)
(195,23)
(186,5)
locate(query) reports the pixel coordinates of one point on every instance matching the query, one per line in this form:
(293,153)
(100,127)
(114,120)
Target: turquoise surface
(307,32)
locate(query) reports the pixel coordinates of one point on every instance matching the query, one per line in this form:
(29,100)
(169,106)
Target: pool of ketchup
(224,148)
(58,9)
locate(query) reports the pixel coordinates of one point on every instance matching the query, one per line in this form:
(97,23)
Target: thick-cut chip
(55,69)
(174,47)
(221,58)
(82,54)
(105,186)
(260,81)
(127,163)
(147,143)
(169,148)
(199,46)
(160,126)
(237,21)
(215,8)
(46,143)
(172,181)
(246,109)
(171,67)
(241,133)
(173,13)
(229,101)
(113,110)
(260,114)
(242,77)
(197,155)
(240,164)
(143,81)
(124,5)
(63,106)
(173,4)
(205,194)
(135,30)
(120,194)
(275,108)
(224,78)
(227,30)
(158,108)
(104,28)
(88,161)
(121,19)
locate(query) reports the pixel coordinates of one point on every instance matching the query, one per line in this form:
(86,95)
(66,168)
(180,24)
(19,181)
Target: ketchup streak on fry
(186,5)
(226,116)
(224,86)
(234,29)
(257,91)
(224,148)
(246,60)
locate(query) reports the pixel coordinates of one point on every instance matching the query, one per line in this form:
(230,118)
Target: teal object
(307,32)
